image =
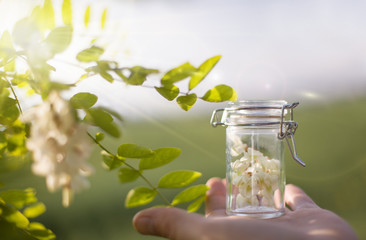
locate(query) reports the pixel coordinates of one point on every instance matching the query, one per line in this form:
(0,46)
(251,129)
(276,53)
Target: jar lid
(251,113)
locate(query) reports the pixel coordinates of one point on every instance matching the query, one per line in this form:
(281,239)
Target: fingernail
(143,224)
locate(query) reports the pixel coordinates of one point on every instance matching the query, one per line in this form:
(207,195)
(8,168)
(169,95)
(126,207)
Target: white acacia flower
(256,177)
(60,146)
(237,146)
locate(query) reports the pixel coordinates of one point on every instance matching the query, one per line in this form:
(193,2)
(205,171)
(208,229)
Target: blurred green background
(330,139)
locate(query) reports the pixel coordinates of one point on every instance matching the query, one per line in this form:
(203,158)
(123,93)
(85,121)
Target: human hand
(305,220)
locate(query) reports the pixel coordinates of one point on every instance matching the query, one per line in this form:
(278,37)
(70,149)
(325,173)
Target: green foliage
(177,179)
(12,146)
(99,137)
(16,206)
(127,174)
(48,15)
(59,39)
(131,150)
(90,54)
(220,93)
(102,68)
(170,92)
(190,194)
(103,19)
(36,39)
(139,196)
(179,73)
(13,216)
(40,232)
(19,198)
(87,16)
(150,159)
(34,210)
(186,102)
(67,12)
(138,75)
(83,100)
(9,110)
(7,50)
(111,161)
(196,204)
(202,71)
(99,117)
(44,16)
(160,157)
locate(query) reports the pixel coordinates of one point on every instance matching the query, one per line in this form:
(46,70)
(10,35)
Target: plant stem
(15,96)
(133,168)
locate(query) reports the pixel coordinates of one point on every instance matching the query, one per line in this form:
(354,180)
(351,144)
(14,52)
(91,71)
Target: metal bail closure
(287,130)
(215,118)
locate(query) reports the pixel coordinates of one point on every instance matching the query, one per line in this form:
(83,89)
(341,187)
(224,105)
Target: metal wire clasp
(288,129)
(215,119)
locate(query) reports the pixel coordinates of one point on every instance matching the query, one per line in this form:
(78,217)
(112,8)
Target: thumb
(172,223)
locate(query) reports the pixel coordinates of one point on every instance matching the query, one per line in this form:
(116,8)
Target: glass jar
(255,169)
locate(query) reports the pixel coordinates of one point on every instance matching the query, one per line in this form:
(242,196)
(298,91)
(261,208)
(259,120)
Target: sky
(310,51)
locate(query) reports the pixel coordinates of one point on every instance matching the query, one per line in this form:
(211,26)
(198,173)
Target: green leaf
(87,17)
(202,72)
(99,136)
(38,16)
(58,86)
(137,75)
(112,162)
(90,54)
(190,194)
(179,73)
(59,39)
(48,15)
(103,120)
(127,175)
(19,198)
(10,66)
(103,19)
(102,68)
(83,100)
(9,111)
(130,150)
(139,196)
(34,210)
(6,46)
(12,215)
(177,179)
(195,205)
(186,102)
(169,92)
(113,113)
(220,93)
(161,157)
(40,232)
(67,12)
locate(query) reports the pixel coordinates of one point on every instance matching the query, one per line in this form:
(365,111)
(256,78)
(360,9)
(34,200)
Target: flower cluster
(254,176)
(60,146)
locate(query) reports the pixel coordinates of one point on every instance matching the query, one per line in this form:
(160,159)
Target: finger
(215,197)
(296,198)
(170,223)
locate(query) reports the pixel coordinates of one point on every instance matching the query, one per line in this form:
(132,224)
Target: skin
(303,220)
